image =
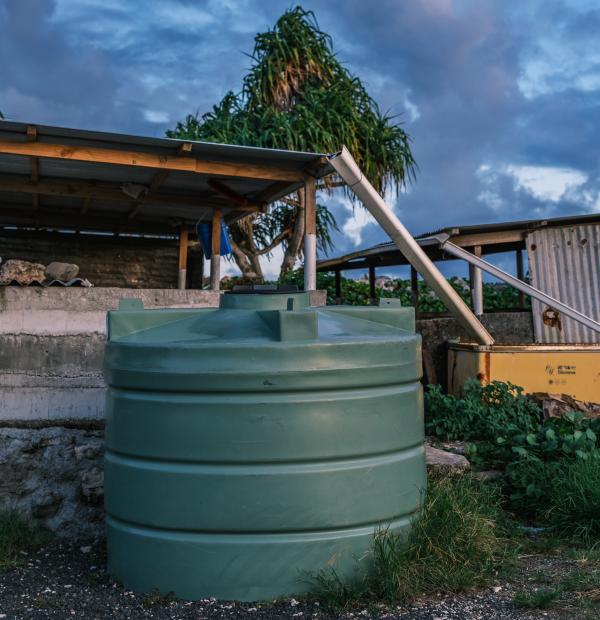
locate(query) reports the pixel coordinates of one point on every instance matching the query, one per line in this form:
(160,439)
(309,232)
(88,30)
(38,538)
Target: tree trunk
(248,263)
(294,246)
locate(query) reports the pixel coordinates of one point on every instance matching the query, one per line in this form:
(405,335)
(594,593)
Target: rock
(456,447)
(21,271)
(440,460)
(54,475)
(61,271)
(556,405)
(488,475)
(92,485)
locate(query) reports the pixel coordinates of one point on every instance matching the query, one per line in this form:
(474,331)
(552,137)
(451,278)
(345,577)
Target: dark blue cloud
(483,87)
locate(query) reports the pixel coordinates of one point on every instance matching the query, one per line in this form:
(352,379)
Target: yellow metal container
(572,369)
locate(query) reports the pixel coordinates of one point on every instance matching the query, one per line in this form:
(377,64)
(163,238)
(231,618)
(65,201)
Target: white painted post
(310,235)
(183,250)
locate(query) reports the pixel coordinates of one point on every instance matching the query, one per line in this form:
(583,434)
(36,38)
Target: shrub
(574,499)
(505,430)
(18,534)
(543,455)
(456,542)
(489,416)
(356,292)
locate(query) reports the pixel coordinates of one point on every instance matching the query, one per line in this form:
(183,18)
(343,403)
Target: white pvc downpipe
(346,167)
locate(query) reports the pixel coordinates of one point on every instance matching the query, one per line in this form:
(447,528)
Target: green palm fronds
(298,96)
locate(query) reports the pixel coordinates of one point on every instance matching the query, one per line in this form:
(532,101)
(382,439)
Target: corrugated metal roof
(388,253)
(564,262)
(514,225)
(204,150)
(16,208)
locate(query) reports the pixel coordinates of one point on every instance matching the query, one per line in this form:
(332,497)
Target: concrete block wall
(105,260)
(506,327)
(52,344)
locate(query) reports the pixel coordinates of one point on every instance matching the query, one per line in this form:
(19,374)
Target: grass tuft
(540,599)
(574,504)
(18,535)
(455,543)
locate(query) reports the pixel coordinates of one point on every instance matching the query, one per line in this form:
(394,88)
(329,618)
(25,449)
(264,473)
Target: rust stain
(484,377)
(487,363)
(552,318)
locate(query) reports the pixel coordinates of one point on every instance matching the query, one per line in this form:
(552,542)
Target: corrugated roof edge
(584,218)
(20,127)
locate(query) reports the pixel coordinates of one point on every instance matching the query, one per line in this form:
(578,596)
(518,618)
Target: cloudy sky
(502,99)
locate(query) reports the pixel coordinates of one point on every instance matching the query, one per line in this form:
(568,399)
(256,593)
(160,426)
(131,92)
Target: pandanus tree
(298,96)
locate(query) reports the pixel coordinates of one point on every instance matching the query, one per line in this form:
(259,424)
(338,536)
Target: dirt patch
(66,580)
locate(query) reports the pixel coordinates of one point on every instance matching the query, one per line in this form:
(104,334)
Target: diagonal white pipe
(573,313)
(346,167)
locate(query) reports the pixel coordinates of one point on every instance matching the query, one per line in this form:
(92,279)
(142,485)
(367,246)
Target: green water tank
(251,445)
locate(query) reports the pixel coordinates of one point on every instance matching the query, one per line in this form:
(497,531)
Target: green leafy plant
(545,456)
(297,95)
(357,292)
(487,415)
(506,431)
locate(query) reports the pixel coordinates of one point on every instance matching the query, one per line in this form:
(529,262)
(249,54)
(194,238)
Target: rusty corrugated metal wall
(565,263)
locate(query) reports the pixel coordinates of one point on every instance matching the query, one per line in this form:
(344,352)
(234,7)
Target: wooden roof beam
(227,192)
(159,178)
(184,149)
(85,205)
(149,160)
(79,189)
(65,218)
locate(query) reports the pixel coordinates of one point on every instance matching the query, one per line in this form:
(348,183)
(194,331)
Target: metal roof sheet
(388,252)
(153,216)
(564,262)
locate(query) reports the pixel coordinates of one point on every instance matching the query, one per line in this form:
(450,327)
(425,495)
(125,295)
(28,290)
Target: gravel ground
(70,581)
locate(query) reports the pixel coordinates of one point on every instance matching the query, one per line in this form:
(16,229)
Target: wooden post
(414,287)
(372,294)
(201,275)
(521,276)
(183,255)
(310,234)
(215,259)
(477,287)
(338,287)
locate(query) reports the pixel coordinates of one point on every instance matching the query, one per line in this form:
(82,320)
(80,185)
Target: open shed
(560,270)
(89,182)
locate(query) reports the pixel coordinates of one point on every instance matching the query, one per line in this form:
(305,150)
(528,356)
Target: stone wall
(54,475)
(105,260)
